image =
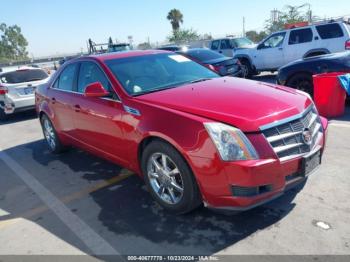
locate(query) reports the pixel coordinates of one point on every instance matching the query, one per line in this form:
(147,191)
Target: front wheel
(246,67)
(169,179)
(302,82)
(51,136)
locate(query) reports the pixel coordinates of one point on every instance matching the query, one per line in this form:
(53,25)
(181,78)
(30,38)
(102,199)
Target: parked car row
(283,47)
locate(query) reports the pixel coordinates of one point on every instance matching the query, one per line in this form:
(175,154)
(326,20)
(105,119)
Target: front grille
(286,137)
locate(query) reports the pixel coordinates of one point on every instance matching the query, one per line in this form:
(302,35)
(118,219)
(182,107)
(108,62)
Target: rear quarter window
(330,31)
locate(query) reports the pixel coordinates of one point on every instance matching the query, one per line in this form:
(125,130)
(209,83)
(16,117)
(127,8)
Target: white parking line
(86,234)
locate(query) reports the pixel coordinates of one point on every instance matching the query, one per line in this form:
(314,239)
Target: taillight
(347,45)
(3,90)
(211,67)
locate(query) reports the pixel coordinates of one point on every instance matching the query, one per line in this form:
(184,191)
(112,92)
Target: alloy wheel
(165,178)
(49,133)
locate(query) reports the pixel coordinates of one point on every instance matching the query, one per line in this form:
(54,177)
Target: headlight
(231,143)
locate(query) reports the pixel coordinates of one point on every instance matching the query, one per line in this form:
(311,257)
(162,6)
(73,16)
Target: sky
(63,26)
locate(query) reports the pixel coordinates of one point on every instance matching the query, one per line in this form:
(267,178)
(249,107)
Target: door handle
(77,108)
(220,52)
(281,48)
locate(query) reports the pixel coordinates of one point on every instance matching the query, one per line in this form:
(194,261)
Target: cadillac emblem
(306,136)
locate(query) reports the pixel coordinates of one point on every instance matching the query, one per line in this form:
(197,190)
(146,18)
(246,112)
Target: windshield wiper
(152,90)
(199,80)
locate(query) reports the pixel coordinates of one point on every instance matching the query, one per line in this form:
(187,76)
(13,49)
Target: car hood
(238,102)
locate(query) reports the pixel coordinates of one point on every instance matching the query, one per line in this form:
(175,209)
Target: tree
(290,15)
(175,17)
(13,45)
(255,36)
(184,35)
(144,46)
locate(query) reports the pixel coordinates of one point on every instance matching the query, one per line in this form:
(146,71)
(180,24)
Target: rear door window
(66,80)
(329,31)
(22,76)
(215,45)
(225,44)
(300,36)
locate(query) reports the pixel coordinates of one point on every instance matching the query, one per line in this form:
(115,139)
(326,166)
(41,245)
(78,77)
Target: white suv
(17,89)
(229,45)
(283,47)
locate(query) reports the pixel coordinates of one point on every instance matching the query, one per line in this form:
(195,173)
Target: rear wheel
(302,82)
(51,136)
(169,179)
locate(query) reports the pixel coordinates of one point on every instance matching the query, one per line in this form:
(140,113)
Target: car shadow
(19,117)
(126,209)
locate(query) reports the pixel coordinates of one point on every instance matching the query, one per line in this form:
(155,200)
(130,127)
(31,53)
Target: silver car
(17,88)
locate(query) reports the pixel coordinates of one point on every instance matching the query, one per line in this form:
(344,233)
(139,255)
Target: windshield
(22,76)
(204,55)
(149,73)
(241,42)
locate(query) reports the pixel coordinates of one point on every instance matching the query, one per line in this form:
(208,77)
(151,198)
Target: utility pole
(274,15)
(243,26)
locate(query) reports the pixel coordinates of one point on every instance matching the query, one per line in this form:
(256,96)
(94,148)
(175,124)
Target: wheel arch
(316,51)
(161,138)
(244,57)
(157,137)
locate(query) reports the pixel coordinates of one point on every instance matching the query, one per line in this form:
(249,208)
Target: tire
(179,199)
(246,69)
(303,82)
(50,135)
(3,116)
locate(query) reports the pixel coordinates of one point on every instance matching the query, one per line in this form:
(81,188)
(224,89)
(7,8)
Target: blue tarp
(345,82)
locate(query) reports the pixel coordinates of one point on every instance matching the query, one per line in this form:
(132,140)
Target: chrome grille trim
(285,136)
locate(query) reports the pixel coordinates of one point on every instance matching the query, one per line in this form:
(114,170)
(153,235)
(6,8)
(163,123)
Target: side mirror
(260,46)
(95,90)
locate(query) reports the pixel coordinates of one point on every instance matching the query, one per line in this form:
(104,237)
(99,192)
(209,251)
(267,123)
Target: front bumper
(243,185)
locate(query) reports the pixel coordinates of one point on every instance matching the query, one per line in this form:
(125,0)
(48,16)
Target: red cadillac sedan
(194,137)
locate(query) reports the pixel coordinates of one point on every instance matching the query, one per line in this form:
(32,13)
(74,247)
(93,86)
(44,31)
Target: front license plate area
(310,163)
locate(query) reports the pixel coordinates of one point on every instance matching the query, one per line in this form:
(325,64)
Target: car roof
(191,50)
(20,68)
(229,37)
(124,54)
